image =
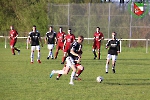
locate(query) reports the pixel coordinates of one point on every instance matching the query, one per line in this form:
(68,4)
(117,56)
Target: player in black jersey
(70,60)
(50,39)
(114,49)
(34,39)
(78,66)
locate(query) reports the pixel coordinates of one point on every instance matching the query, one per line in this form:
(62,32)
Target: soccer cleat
(106,72)
(52,58)
(51,75)
(95,57)
(13,54)
(76,78)
(31,62)
(62,62)
(39,61)
(57,78)
(113,70)
(71,83)
(18,52)
(48,58)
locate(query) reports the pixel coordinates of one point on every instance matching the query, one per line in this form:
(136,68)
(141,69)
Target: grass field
(20,80)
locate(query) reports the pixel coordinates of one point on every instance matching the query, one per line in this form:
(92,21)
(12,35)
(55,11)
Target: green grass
(20,80)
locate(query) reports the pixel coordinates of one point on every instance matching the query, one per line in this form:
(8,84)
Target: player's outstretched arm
(75,54)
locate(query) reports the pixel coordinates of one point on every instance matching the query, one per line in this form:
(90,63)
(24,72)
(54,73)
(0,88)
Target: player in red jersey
(98,36)
(68,40)
(60,41)
(13,34)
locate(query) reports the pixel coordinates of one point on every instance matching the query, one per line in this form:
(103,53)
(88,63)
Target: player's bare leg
(59,75)
(64,58)
(56,53)
(80,70)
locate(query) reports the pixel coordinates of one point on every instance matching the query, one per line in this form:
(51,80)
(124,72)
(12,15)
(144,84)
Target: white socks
(107,67)
(38,55)
(58,71)
(72,76)
(50,54)
(32,56)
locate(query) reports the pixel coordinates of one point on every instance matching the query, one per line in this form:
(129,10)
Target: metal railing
(121,40)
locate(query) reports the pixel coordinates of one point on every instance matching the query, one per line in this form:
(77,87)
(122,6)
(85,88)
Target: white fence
(121,40)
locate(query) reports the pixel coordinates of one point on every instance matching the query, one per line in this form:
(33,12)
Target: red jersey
(13,34)
(60,36)
(68,39)
(98,36)
(97,40)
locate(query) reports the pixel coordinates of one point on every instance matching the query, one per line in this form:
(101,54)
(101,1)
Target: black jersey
(114,46)
(51,37)
(76,47)
(34,38)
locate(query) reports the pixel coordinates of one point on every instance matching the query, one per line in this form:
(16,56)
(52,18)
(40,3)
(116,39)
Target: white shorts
(113,57)
(69,61)
(33,48)
(50,46)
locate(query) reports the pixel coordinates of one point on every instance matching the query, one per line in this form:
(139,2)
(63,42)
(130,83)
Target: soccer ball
(99,79)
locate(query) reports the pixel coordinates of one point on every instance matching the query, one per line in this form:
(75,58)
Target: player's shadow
(104,59)
(135,59)
(129,82)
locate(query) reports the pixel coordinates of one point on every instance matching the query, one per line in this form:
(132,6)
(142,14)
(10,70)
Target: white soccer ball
(99,79)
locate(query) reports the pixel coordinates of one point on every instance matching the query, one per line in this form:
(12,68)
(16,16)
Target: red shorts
(13,42)
(67,47)
(60,45)
(76,65)
(97,45)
